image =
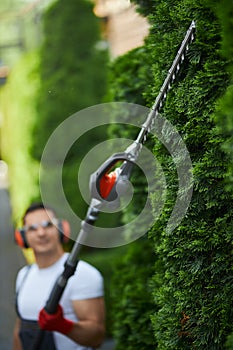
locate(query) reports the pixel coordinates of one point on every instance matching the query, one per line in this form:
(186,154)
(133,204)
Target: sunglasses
(45,224)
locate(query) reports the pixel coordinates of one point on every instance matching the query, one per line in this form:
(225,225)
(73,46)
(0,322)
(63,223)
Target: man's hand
(55,322)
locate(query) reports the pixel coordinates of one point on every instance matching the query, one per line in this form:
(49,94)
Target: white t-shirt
(34,290)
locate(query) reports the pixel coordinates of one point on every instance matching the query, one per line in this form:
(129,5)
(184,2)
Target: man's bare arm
(90,329)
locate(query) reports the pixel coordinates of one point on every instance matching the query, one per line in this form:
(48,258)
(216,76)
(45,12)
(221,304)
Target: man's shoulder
(85,267)
(25,269)
(22,274)
(88,273)
(87,282)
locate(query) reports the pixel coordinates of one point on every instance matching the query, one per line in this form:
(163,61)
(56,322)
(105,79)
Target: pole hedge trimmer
(105,182)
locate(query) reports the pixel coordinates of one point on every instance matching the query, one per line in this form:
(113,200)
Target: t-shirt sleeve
(86,283)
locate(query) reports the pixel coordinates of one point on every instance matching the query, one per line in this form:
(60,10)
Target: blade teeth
(173,71)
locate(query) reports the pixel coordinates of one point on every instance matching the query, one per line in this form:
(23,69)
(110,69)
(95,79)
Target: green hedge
(224,117)
(195,295)
(192,266)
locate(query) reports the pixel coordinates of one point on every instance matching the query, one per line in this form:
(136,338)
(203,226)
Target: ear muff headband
(63,228)
(20,238)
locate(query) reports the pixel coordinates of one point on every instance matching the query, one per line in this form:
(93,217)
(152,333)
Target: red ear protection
(20,238)
(63,228)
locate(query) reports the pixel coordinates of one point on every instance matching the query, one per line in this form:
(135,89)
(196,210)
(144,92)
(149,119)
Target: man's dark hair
(37,206)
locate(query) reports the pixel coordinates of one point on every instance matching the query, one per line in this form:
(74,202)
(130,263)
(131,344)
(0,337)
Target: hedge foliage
(224,116)
(192,265)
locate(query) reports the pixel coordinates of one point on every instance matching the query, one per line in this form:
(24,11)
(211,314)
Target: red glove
(55,322)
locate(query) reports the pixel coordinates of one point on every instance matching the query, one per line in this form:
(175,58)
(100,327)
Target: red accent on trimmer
(106,184)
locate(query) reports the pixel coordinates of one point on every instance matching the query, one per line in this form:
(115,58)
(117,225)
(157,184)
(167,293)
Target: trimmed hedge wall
(190,306)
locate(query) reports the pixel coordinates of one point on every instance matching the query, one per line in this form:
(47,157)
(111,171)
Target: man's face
(41,234)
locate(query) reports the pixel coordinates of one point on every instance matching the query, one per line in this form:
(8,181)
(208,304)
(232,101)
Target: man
(79,323)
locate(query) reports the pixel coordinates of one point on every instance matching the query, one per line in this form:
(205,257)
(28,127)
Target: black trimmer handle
(55,296)
(59,287)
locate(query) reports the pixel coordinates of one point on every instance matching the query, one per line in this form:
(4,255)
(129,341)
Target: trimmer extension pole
(72,260)
(70,266)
